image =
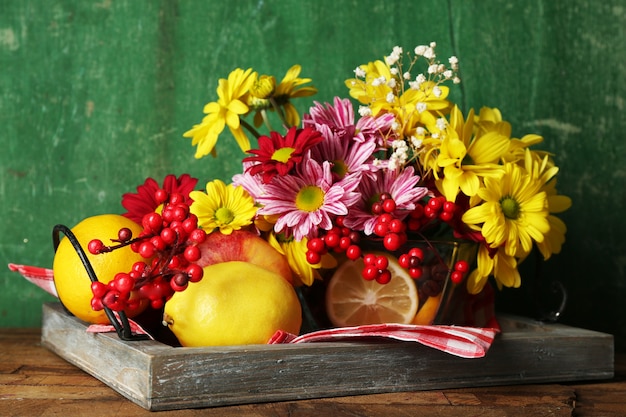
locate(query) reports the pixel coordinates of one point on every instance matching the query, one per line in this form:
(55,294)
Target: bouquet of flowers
(408,163)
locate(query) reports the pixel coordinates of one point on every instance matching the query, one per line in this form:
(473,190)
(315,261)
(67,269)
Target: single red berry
(124,234)
(316,245)
(417,252)
(389,205)
(384,277)
(179,281)
(161,196)
(174,263)
(344,242)
(176,198)
(381,229)
(139,266)
(339,220)
(456,277)
(194,272)
(158,243)
(123,282)
(146,249)
(331,240)
(403,260)
(152,222)
(370,273)
(168,235)
(180,212)
(449,206)
(385,218)
(192,253)
(95,246)
(353,252)
(461,266)
(414,262)
(112,300)
(416,273)
(397,225)
(436,203)
(98,289)
(190,223)
(197,236)
(96,304)
(377,208)
(168,214)
(446,216)
(369,259)
(313,257)
(392,241)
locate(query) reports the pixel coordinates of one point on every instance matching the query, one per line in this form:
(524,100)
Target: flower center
(510,208)
(282,154)
(340,168)
(310,198)
(467,160)
(224,215)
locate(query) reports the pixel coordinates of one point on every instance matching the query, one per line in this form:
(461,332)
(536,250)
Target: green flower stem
(249,128)
(266,120)
(279,112)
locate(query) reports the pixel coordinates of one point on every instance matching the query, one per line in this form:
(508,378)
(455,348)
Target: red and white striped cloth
(465,342)
(462,341)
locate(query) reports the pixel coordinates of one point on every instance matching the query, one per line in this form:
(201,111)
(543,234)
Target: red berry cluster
(412,261)
(339,239)
(461,268)
(435,208)
(376,268)
(390,228)
(169,243)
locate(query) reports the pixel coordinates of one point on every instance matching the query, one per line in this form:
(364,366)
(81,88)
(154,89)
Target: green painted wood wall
(95,96)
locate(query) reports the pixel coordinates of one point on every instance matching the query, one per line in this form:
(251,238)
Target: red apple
(244,246)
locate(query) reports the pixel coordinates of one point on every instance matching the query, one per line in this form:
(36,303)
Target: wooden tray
(157,376)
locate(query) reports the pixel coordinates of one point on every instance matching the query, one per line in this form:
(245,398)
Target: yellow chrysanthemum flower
(290,87)
(226,111)
(467,155)
(374,90)
(544,168)
(222,207)
(514,212)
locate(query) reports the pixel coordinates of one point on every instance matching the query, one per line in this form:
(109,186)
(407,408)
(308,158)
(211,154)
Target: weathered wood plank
(160,377)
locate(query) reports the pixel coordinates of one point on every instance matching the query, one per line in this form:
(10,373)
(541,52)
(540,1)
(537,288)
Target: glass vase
(441,301)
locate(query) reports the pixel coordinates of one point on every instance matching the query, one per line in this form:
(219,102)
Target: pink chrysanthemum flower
(143,201)
(307,201)
(401,185)
(339,119)
(340,146)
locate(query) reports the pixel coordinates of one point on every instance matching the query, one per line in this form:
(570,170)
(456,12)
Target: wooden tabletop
(35,382)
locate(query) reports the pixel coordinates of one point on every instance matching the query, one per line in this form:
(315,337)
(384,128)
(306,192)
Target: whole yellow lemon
(70,277)
(235,303)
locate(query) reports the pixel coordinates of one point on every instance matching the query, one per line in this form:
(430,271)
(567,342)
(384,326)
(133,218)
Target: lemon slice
(353,301)
(428,310)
